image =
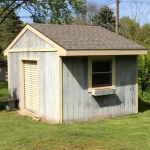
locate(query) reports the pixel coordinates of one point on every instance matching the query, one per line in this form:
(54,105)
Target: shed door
(31,86)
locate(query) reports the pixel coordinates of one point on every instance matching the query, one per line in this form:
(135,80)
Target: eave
(105,52)
(70,52)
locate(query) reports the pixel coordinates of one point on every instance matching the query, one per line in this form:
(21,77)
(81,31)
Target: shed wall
(79,105)
(29,40)
(47,81)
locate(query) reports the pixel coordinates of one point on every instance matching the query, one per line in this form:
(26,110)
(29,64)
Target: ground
(121,133)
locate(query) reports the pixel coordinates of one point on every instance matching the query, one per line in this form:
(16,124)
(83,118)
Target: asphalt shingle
(76,37)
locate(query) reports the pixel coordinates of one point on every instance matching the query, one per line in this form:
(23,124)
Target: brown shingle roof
(75,37)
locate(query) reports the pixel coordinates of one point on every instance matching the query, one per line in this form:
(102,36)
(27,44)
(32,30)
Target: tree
(61,10)
(37,8)
(91,11)
(129,29)
(133,31)
(105,18)
(86,18)
(145,36)
(57,11)
(9,29)
(144,72)
(78,20)
(1,53)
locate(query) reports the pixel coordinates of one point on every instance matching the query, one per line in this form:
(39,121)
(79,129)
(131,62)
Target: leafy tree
(57,11)
(145,35)
(129,29)
(105,18)
(132,30)
(38,9)
(144,72)
(78,20)
(61,10)
(1,54)
(9,29)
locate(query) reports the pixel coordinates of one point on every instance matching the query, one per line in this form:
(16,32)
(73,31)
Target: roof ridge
(65,25)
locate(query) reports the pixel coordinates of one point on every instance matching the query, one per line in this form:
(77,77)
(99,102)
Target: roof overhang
(61,50)
(105,52)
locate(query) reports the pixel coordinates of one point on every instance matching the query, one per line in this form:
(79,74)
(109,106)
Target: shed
(71,73)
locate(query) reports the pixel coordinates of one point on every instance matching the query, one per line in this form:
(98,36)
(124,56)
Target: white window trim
(113,58)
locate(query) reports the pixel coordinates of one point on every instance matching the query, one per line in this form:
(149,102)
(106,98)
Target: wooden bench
(10,103)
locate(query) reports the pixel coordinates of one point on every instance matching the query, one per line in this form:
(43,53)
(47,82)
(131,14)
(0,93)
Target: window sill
(101,92)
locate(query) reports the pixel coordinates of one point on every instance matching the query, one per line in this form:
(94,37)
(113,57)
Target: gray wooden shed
(67,74)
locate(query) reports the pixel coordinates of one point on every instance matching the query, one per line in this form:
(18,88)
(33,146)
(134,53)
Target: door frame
(22,97)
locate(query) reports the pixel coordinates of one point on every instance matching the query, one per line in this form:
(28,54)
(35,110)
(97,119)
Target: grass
(3,93)
(121,133)
(3,90)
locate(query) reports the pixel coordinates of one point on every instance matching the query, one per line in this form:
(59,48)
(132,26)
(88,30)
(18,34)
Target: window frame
(101,58)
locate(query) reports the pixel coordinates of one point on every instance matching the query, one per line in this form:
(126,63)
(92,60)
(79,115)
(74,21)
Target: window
(101,73)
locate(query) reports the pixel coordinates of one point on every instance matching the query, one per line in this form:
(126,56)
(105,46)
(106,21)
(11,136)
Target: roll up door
(31,91)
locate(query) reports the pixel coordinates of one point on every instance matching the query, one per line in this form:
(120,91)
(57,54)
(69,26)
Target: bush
(144,72)
(144,95)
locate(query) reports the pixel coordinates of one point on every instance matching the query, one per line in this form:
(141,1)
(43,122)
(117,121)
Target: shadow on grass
(143,105)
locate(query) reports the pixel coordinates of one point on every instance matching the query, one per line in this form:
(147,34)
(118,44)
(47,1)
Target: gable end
(29,40)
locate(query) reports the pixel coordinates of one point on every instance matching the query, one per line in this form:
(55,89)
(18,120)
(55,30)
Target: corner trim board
(59,61)
(8,73)
(136,91)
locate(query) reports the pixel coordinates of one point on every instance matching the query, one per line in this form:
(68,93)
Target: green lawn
(121,133)
(3,92)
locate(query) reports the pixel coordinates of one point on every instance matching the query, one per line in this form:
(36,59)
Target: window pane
(101,73)
(99,80)
(101,66)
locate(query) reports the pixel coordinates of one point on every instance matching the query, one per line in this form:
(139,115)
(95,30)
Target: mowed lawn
(121,133)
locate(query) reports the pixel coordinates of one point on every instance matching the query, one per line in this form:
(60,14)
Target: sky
(138,10)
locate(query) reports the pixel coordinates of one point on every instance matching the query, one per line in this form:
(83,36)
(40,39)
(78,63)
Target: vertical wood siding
(29,40)
(79,105)
(48,81)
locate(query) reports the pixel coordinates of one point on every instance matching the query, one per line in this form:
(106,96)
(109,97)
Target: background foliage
(105,18)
